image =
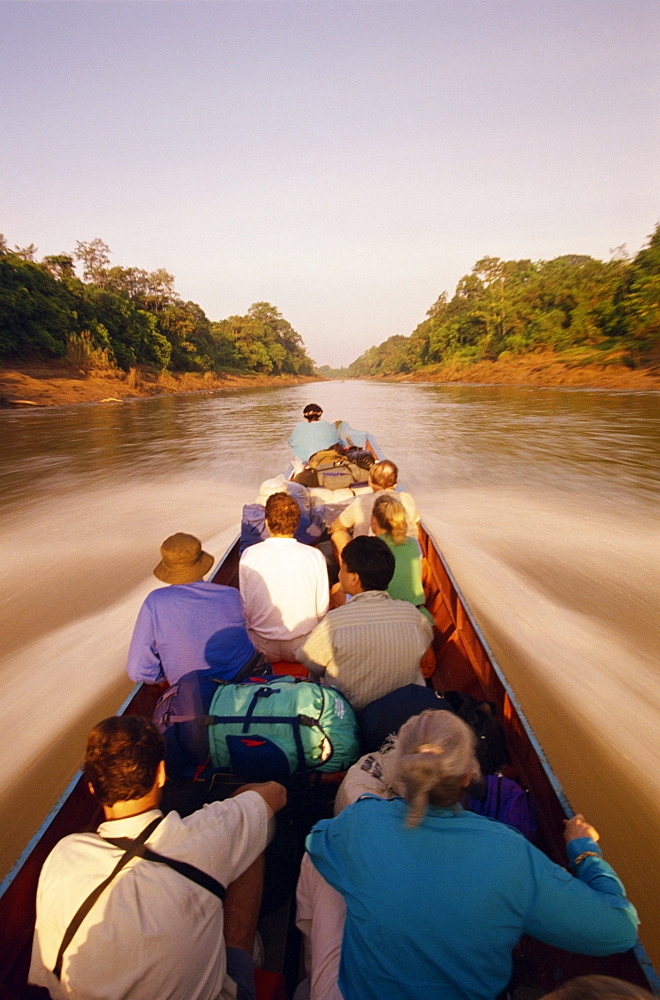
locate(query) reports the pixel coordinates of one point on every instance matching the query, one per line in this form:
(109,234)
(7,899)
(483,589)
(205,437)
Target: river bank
(57,384)
(544,369)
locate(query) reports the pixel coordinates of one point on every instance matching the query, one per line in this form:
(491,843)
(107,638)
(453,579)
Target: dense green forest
(576,305)
(122,317)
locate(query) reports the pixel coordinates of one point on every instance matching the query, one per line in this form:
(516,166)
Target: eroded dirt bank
(57,385)
(544,369)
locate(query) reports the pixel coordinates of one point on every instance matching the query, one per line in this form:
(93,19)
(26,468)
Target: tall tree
(95,257)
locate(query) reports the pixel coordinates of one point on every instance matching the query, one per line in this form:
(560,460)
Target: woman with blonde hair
(388,522)
(436,897)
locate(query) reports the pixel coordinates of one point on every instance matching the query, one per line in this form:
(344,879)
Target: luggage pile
(264,729)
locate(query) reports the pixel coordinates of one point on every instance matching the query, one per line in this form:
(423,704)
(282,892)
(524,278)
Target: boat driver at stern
(312,434)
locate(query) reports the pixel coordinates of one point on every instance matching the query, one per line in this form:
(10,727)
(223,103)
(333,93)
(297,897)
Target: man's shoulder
(378,604)
(180,591)
(406,499)
(370,602)
(68,853)
(362,502)
(253,553)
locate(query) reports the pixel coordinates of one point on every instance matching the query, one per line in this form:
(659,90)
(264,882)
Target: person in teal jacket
(436,898)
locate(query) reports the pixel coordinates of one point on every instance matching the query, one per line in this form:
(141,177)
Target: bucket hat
(183,560)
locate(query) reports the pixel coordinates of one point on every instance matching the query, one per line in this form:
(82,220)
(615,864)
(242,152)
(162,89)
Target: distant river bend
(544,501)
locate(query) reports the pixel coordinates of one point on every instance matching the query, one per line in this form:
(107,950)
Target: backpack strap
(136,848)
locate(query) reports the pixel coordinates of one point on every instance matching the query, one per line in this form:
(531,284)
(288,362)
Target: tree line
(124,317)
(574,304)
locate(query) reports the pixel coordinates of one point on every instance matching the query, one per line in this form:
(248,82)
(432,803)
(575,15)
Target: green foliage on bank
(125,317)
(573,304)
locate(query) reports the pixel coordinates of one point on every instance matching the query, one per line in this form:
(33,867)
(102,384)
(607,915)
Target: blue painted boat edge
(57,807)
(552,777)
(639,951)
(647,968)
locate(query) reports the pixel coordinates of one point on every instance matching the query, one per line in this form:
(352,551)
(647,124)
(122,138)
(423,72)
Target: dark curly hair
(282,514)
(122,758)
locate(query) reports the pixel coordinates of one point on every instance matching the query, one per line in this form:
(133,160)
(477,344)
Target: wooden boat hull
(465,663)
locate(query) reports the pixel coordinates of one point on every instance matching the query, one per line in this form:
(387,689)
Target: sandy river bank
(542,369)
(56,384)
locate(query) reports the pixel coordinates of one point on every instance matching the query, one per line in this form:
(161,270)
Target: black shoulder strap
(189,871)
(86,906)
(136,848)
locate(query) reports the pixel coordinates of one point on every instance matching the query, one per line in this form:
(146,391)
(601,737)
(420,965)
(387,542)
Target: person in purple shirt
(192,624)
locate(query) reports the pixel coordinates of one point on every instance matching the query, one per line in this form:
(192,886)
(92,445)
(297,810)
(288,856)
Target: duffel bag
(340,474)
(504,800)
(260,729)
(360,457)
(386,715)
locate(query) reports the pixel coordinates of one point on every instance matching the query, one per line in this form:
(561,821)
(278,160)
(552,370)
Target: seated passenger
(372,644)
(356,518)
(284,584)
(435,898)
(349,436)
(157,930)
(312,434)
(191,625)
(388,522)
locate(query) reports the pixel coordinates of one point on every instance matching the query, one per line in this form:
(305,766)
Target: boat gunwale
(39,841)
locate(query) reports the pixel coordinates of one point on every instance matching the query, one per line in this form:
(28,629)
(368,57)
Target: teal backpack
(262,729)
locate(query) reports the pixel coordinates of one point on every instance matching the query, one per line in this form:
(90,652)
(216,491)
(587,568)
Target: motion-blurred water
(544,502)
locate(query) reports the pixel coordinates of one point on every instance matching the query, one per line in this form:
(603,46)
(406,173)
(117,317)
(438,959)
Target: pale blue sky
(346,160)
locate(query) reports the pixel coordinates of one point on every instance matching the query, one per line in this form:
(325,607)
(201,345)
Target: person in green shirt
(388,522)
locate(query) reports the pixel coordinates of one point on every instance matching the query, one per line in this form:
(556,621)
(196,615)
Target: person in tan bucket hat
(182,559)
(190,624)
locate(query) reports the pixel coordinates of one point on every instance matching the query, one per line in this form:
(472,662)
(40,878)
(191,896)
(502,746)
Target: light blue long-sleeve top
(435,910)
(308,437)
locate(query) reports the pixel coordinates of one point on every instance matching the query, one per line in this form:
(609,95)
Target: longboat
(463,662)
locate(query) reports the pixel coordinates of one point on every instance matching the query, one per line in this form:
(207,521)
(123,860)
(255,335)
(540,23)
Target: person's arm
(339,538)
(588,914)
(426,631)
(272,792)
(143,662)
(322,602)
(249,585)
(316,652)
(295,442)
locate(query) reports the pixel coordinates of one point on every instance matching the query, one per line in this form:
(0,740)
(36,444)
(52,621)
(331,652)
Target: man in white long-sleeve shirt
(284,584)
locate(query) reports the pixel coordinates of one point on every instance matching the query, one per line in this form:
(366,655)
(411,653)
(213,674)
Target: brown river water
(544,501)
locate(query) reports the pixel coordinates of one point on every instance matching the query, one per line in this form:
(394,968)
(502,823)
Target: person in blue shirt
(312,434)
(436,897)
(192,624)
